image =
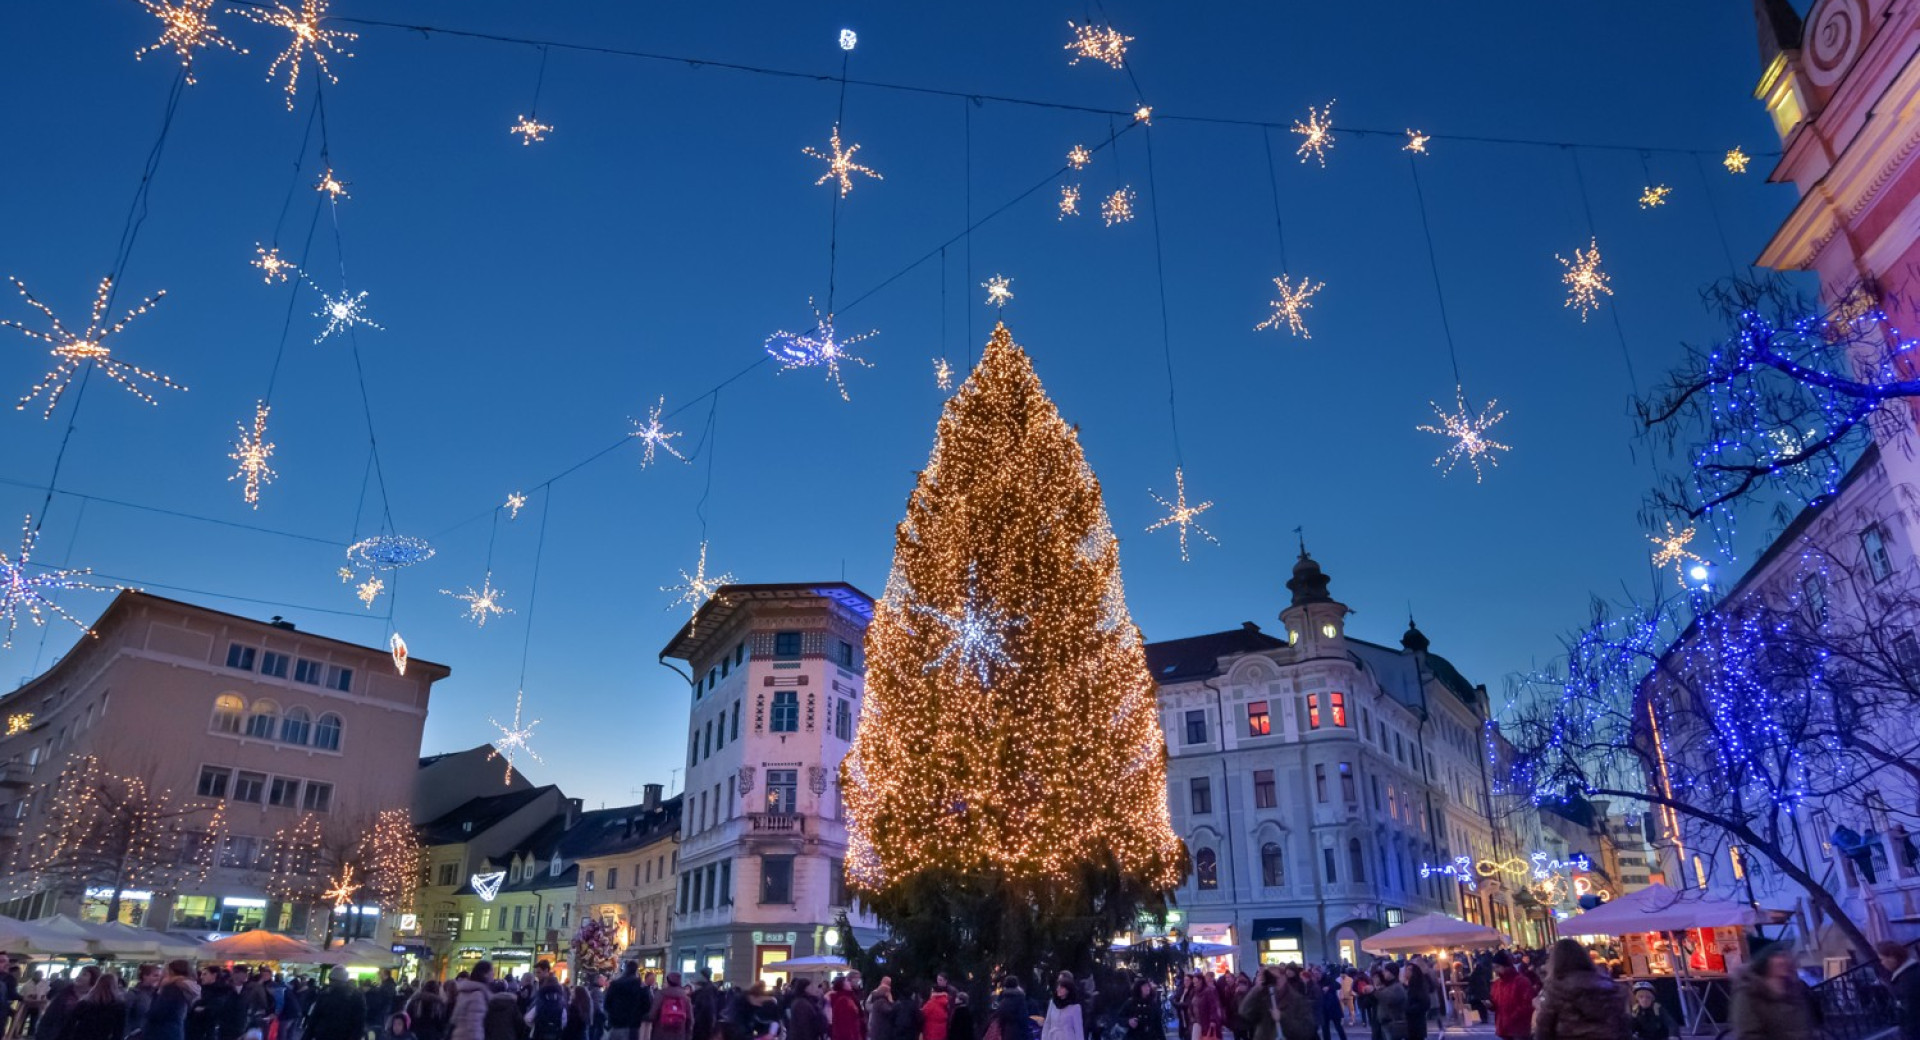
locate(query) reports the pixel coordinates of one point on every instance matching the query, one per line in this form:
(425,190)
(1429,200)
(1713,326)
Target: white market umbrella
(17,936)
(259,945)
(818,962)
(90,936)
(359,951)
(1430,932)
(1657,908)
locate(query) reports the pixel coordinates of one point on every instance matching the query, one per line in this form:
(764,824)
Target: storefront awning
(1264,928)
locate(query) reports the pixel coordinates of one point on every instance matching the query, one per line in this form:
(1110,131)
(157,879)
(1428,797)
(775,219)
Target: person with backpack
(547,1013)
(672,1014)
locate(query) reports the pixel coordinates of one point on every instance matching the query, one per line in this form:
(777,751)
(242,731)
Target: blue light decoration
(1461,870)
(25,589)
(387,552)
(818,347)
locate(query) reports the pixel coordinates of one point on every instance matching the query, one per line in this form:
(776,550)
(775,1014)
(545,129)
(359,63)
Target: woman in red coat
(848,1023)
(1512,998)
(934,1014)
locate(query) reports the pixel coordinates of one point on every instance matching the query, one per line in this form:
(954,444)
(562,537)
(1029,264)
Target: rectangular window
(783,790)
(1258,724)
(837,893)
(1873,545)
(273,664)
(1366,722)
(486,918)
(213,781)
(1399,750)
(1347,790)
(726,882)
(317,797)
(776,879)
(844,654)
(1337,703)
(730,781)
(739,654)
(1263,789)
(726,666)
(1813,592)
(446,873)
(1196,727)
(249,787)
(1313,711)
(786,712)
(240,657)
(843,719)
(786,645)
(1376,792)
(284,792)
(706,742)
(239,851)
(518,920)
(306,671)
(736,720)
(1326,859)
(1200,796)
(1320,782)
(339,678)
(589,881)
(613,878)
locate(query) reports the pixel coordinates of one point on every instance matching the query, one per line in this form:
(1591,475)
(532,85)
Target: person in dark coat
(1419,998)
(806,1020)
(1903,978)
(1578,1002)
(879,1012)
(1333,1015)
(707,1005)
(1142,1015)
(1769,1000)
(1389,1005)
(101,1014)
(230,1016)
(503,1018)
(1648,1020)
(339,1013)
(427,1013)
(627,1003)
(167,1014)
(140,998)
(960,1019)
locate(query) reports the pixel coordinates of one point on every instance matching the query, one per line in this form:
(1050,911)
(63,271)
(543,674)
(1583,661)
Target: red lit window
(1258,725)
(1313,711)
(1338,703)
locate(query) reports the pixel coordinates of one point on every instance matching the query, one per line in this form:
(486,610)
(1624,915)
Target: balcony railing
(762,824)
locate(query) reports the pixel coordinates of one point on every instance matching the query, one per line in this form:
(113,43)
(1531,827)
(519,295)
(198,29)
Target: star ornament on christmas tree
(976,634)
(1466,433)
(73,352)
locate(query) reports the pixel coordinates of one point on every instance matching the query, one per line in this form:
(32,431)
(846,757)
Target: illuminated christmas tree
(1006,791)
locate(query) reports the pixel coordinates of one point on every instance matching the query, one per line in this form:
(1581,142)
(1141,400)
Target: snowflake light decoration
(24,589)
(341,312)
(1143,115)
(1584,280)
(481,604)
(515,739)
(1180,514)
(1416,142)
(1672,551)
(515,502)
(1118,207)
(73,352)
(1069,201)
(1654,195)
(976,634)
(398,647)
(1078,157)
(369,590)
(1287,310)
(1468,434)
(942,374)
(999,290)
(1736,160)
(186,27)
(849,39)
(273,267)
(332,186)
(253,452)
(309,37)
(387,552)
(344,887)
(821,347)
(1316,134)
(1098,42)
(696,588)
(530,129)
(654,435)
(840,164)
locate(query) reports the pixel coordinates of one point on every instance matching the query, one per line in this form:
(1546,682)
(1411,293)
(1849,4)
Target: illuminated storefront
(134,904)
(1279,940)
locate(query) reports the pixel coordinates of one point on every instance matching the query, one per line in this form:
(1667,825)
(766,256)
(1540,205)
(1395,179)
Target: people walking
(1511,995)
(1578,1002)
(101,1013)
(1063,1019)
(1769,1000)
(339,1012)
(1389,1006)
(672,1014)
(806,1019)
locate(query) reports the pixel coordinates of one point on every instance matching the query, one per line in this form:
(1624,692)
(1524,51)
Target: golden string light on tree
(252,453)
(1584,280)
(1118,207)
(1101,43)
(309,36)
(1316,134)
(840,164)
(185,27)
(74,352)
(391,855)
(1290,308)
(1466,433)
(1180,514)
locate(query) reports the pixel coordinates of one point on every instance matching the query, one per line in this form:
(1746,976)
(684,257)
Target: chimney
(573,811)
(280,622)
(650,797)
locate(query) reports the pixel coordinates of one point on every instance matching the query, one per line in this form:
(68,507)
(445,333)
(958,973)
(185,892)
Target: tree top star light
(999,290)
(654,435)
(74,352)
(1180,514)
(1293,301)
(821,347)
(342,312)
(1316,134)
(530,129)
(252,452)
(186,26)
(25,588)
(309,36)
(696,588)
(482,604)
(1584,280)
(1117,208)
(1736,160)
(1467,433)
(840,164)
(1672,551)
(515,739)
(1098,42)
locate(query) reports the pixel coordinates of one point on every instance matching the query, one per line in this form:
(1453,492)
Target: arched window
(228,710)
(1273,865)
(326,732)
(1206,869)
(262,720)
(1356,861)
(295,727)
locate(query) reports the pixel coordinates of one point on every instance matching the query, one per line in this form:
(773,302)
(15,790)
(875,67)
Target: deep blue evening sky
(534,298)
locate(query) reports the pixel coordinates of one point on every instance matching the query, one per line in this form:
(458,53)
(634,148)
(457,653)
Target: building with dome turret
(1328,787)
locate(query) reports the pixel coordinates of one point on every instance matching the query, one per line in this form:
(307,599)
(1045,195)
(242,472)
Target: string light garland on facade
(517,501)
(821,347)
(1101,43)
(1078,157)
(73,352)
(1584,280)
(530,129)
(1117,208)
(398,648)
(252,452)
(369,590)
(1180,514)
(1416,142)
(1736,160)
(840,164)
(482,603)
(1466,432)
(387,552)
(1672,551)
(1654,195)
(697,588)
(332,186)
(1290,307)
(1069,201)
(342,312)
(273,267)
(942,374)
(514,740)
(309,36)
(186,26)
(653,435)
(999,290)
(1316,134)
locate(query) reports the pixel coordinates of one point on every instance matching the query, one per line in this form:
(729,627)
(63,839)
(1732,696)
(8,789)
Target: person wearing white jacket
(1063,1021)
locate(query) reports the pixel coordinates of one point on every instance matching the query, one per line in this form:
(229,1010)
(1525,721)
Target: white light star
(1293,300)
(1180,514)
(1584,280)
(308,37)
(515,739)
(24,588)
(187,27)
(370,590)
(1316,134)
(1098,42)
(1069,201)
(515,502)
(840,164)
(530,129)
(1468,435)
(1416,142)
(942,373)
(270,263)
(72,352)
(332,186)
(696,588)
(654,435)
(1672,550)
(1118,207)
(976,633)
(482,604)
(344,887)
(999,290)
(253,452)
(820,347)
(342,312)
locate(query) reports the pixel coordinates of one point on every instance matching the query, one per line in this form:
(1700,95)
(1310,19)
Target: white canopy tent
(1657,908)
(1431,932)
(18,936)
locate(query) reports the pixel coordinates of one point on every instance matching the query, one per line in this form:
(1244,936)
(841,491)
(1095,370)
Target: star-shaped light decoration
(1180,514)
(482,604)
(1293,301)
(398,647)
(515,739)
(252,452)
(976,633)
(696,588)
(24,588)
(1654,195)
(72,352)
(1584,280)
(19,722)
(1143,115)
(1078,157)
(1468,435)
(344,887)
(369,590)
(1069,201)
(942,373)
(1672,551)
(309,36)
(332,186)
(654,435)
(273,267)
(186,27)
(341,312)
(1098,42)
(1416,142)
(515,502)
(999,290)
(530,129)
(840,164)
(1316,134)
(822,347)
(1736,160)
(346,575)
(1117,208)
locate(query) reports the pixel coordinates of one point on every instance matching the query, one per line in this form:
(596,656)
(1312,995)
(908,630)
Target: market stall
(1688,939)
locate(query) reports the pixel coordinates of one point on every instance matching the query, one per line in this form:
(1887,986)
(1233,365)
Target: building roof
(1198,657)
(622,829)
(1780,28)
(727,600)
(130,598)
(427,760)
(476,815)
